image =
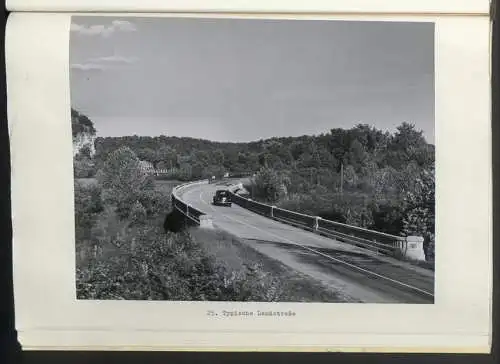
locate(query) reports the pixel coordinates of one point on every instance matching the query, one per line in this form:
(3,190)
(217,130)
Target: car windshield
(222,193)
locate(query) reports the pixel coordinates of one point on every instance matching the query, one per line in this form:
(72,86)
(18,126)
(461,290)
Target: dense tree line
(359,149)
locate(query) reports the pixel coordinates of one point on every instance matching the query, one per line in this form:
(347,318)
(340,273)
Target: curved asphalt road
(357,273)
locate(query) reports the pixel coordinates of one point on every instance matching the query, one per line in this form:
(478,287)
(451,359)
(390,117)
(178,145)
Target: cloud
(103,30)
(114,59)
(124,25)
(87,67)
(103,63)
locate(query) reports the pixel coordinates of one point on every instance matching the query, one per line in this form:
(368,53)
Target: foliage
(83,168)
(138,213)
(420,216)
(154,202)
(149,265)
(122,181)
(269,186)
(362,150)
(159,268)
(134,259)
(88,204)
(83,164)
(387,217)
(385,176)
(130,257)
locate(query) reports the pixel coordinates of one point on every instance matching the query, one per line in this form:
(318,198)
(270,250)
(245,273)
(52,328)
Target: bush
(420,213)
(348,209)
(333,215)
(83,168)
(155,202)
(88,205)
(387,217)
(122,179)
(170,267)
(268,185)
(138,214)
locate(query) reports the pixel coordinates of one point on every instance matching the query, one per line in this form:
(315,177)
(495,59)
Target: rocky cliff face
(83,131)
(82,140)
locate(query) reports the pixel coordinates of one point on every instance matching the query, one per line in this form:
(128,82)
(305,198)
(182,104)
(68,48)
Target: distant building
(147,167)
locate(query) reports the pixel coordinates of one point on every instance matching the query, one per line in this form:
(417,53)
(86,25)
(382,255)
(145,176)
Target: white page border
(477,7)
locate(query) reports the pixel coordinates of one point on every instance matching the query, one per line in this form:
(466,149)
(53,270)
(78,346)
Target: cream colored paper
(476,7)
(49,317)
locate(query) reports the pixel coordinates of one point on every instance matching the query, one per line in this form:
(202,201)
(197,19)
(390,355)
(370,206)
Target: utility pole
(253,186)
(341,179)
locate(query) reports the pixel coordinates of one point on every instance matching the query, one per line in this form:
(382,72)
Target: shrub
(83,168)
(155,202)
(122,179)
(138,213)
(420,213)
(268,185)
(165,267)
(387,217)
(88,205)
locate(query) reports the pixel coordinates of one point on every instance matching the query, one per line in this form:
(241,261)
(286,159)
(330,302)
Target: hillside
(358,149)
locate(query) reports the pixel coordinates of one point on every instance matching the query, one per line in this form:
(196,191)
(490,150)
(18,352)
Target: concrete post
(316,223)
(206,221)
(414,248)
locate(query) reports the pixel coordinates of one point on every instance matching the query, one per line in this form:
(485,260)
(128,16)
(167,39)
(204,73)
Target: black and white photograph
(253,160)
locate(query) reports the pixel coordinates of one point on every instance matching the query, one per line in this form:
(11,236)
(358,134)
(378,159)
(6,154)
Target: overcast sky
(242,80)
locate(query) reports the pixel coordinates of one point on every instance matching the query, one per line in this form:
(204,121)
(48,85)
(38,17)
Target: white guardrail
(410,247)
(187,210)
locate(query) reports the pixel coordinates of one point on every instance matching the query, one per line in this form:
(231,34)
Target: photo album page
(219,176)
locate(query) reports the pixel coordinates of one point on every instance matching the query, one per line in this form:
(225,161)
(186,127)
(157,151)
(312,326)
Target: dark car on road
(222,198)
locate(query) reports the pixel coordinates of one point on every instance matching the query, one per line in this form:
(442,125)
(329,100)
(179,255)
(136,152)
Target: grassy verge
(427,264)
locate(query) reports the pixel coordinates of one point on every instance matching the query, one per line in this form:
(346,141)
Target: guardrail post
(414,248)
(272,210)
(206,221)
(316,223)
